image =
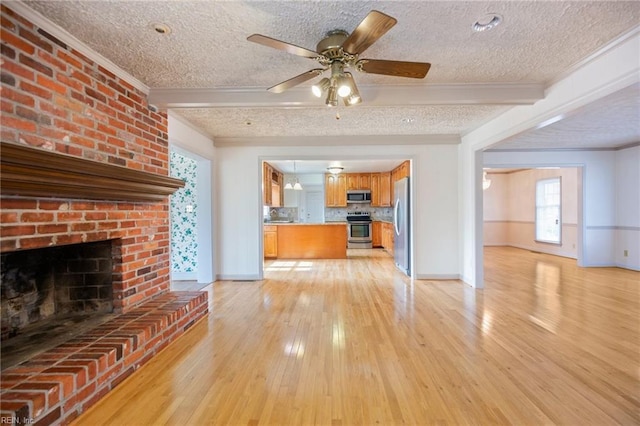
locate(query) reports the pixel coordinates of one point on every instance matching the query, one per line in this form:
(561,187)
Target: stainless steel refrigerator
(401,225)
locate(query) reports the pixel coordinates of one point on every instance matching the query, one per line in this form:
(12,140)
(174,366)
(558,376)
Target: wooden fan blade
(372,27)
(288,84)
(281,45)
(395,68)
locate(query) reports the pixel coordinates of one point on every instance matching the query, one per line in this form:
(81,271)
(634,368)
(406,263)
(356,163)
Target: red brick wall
(55,98)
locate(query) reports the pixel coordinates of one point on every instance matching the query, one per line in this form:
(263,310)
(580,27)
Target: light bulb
(354,95)
(353,99)
(344,89)
(318,88)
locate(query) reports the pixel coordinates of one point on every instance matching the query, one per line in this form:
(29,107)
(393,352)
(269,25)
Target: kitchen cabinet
(312,241)
(388,234)
(365,180)
(375,189)
(335,190)
(358,180)
(385,190)
(270,241)
(381,189)
(376,233)
(402,171)
(272,186)
(267,194)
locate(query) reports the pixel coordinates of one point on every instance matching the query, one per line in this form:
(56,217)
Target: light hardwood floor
(353,342)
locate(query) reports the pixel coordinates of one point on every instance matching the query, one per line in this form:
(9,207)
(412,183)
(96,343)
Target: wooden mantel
(29,171)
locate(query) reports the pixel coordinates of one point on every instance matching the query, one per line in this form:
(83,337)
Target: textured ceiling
(583,128)
(207,46)
(537,42)
(363,120)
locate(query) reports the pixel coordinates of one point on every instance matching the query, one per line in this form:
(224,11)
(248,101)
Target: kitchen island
(311,240)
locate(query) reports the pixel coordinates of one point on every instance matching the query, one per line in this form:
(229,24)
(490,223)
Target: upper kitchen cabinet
(381,189)
(272,186)
(335,190)
(266,183)
(358,180)
(402,171)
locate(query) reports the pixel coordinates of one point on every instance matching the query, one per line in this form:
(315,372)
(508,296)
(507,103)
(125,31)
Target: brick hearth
(59,384)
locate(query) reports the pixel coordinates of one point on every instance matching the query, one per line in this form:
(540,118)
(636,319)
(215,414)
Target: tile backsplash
(340,213)
(280,213)
(331,214)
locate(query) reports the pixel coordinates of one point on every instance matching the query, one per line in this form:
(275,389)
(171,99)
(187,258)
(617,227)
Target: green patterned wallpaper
(184,245)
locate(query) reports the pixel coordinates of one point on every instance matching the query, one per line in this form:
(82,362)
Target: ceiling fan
(340,50)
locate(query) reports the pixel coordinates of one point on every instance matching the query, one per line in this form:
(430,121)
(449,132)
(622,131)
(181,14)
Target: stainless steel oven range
(359,230)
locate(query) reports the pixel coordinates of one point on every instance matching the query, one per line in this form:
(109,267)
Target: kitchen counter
(383,219)
(303,223)
(311,240)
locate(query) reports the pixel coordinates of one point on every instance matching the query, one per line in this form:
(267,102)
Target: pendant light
(296,186)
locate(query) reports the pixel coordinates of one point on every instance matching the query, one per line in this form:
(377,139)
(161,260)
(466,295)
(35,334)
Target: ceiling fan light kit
(332,96)
(338,50)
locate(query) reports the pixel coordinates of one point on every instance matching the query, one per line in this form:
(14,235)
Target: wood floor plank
(354,342)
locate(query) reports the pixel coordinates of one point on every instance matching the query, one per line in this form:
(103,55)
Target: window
(548,208)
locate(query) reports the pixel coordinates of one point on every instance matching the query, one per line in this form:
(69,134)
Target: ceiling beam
(374,95)
(334,141)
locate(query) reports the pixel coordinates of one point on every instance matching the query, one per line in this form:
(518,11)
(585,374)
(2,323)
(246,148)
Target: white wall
(611,70)
(434,169)
(509,210)
(627,232)
(495,209)
(188,141)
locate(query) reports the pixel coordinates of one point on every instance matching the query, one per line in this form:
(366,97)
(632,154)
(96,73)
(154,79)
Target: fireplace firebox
(54,291)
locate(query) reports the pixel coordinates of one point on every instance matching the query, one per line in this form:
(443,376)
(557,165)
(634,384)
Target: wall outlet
(626,253)
(574,246)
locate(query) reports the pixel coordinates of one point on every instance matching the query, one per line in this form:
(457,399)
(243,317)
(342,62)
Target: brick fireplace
(88,155)
(56,99)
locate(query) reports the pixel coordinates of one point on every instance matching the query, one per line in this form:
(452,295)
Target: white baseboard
(223,277)
(442,277)
(184,276)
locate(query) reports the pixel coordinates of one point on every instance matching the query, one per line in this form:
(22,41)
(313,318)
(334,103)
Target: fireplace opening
(52,294)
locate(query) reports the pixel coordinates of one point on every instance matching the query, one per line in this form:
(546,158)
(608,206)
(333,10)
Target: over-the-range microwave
(358,196)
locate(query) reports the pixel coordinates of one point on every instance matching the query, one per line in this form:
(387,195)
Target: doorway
(190,217)
(514,200)
(314,206)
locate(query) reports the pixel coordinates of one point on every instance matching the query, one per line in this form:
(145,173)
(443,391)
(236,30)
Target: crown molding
(63,35)
(616,148)
(372,95)
(338,141)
